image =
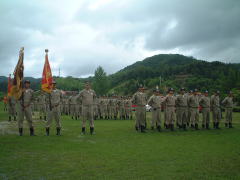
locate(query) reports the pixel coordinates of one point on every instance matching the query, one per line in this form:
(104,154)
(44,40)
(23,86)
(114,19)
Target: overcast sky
(83,34)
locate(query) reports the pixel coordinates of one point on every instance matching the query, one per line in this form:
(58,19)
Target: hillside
(174,70)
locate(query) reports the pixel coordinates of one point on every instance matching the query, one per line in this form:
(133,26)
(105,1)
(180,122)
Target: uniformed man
(24,108)
(204,102)
(140,100)
(128,108)
(228,104)
(11,109)
(121,106)
(182,109)
(87,97)
(193,102)
(42,106)
(216,111)
(101,107)
(54,110)
(155,102)
(170,103)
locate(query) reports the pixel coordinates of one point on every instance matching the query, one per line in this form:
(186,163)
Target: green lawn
(117,151)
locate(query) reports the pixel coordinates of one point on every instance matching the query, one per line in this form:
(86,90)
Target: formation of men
(182,110)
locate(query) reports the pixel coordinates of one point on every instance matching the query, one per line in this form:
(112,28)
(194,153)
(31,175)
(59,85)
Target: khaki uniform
(128,108)
(155,102)
(140,99)
(215,106)
(42,106)
(170,103)
(193,102)
(87,97)
(228,104)
(204,102)
(54,110)
(73,103)
(101,107)
(121,105)
(182,110)
(24,108)
(12,108)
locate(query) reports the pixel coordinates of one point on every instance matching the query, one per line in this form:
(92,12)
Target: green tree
(100,82)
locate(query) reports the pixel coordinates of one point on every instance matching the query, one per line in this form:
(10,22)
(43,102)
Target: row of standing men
(183,108)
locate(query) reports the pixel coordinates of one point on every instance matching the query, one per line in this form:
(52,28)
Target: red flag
(17,86)
(9,85)
(47,75)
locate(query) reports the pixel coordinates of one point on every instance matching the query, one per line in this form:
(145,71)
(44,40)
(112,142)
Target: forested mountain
(174,70)
(164,70)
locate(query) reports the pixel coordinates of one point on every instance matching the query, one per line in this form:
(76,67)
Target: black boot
(91,130)
(192,126)
(47,131)
(58,131)
(9,118)
(152,128)
(230,125)
(196,127)
(20,131)
(226,124)
(32,131)
(45,118)
(167,126)
(136,128)
(40,118)
(214,125)
(207,126)
(217,125)
(14,118)
(159,128)
(203,126)
(83,130)
(142,129)
(184,127)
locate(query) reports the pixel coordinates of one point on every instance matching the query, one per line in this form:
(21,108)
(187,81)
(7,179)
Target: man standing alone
(87,97)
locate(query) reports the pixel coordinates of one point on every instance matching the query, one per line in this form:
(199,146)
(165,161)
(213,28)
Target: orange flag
(9,85)
(47,75)
(17,85)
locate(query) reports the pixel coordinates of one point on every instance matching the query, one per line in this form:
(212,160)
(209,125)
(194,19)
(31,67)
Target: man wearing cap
(121,106)
(170,104)
(182,109)
(228,104)
(24,108)
(193,102)
(216,111)
(54,110)
(155,102)
(87,97)
(140,100)
(204,102)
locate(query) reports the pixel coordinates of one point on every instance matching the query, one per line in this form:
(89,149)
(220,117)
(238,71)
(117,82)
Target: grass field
(117,151)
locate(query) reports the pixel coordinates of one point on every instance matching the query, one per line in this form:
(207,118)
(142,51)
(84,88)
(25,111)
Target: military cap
(170,89)
(206,91)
